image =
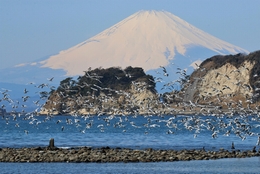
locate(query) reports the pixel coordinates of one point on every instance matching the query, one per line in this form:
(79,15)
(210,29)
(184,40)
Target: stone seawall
(106,154)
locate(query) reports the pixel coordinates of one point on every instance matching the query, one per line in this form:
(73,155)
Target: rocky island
(220,84)
(104,91)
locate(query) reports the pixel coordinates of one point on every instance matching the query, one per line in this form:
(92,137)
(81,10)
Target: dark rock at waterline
(107,154)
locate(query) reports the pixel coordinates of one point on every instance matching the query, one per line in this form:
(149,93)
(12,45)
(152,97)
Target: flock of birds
(241,124)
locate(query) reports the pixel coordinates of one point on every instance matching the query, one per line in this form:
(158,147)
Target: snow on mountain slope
(147,39)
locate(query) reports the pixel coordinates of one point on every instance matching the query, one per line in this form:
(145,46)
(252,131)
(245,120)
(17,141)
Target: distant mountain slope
(147,39)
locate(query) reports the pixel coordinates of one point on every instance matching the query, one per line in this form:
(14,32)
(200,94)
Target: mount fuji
(147,39)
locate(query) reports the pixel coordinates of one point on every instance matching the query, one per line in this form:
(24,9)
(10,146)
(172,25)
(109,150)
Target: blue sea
(137,132)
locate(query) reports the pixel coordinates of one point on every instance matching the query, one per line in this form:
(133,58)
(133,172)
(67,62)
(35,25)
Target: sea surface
(137,132)
(237,165)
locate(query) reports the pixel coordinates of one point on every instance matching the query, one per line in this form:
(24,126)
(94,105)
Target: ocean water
(133,132)
(127,132)
(234,166)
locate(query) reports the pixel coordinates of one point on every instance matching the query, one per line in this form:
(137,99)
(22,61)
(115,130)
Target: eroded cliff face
(136,100)
(226,81)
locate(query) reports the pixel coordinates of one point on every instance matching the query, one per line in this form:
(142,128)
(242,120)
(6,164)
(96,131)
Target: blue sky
(34,29)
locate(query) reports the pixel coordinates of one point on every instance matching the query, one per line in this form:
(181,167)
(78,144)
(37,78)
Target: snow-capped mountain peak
(147,39)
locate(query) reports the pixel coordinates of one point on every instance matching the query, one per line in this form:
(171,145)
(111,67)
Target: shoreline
(164,113)
(114,155)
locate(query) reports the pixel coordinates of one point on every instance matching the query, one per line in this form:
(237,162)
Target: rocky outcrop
(104,91)
(226,81)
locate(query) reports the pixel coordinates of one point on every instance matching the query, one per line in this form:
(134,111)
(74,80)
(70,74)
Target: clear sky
(34,29)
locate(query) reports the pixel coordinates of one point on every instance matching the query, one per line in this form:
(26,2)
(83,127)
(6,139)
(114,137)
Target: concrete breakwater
(106,154)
